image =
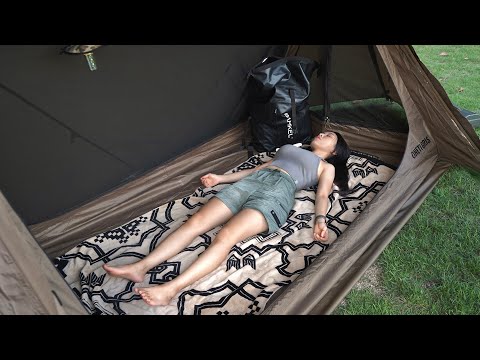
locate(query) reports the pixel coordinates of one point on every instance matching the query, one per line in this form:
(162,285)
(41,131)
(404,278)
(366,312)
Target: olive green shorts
(270,191)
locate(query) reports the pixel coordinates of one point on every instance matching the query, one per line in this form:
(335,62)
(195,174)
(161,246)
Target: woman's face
(325,141)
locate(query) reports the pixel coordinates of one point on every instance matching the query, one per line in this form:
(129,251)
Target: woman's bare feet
(134,272)
(157,295)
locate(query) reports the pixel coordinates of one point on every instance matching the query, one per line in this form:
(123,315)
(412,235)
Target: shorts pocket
(275,216)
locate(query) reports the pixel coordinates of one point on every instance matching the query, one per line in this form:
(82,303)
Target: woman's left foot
(156,295)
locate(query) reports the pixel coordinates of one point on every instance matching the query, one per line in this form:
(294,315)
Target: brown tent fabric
(29,284)
(438,136)
(388,146)
(459,142)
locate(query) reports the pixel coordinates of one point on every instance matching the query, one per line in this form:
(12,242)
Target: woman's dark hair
(340,162)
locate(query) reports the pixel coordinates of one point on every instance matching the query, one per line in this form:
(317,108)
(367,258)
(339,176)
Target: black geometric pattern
(363,172)
(164,272)
(254,269)
(249,260)
(123,233)
(254,308)
(234,262)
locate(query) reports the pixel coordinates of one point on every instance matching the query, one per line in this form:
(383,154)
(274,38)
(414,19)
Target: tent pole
(326,106)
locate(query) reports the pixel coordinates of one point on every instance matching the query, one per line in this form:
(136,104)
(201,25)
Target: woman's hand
(210,180)
(320,231)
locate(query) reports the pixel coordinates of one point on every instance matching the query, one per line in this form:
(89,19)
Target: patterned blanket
(253,271)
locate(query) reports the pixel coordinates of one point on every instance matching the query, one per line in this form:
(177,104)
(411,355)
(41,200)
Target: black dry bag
(278,89)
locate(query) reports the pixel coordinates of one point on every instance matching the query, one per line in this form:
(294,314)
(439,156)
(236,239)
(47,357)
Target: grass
(458,72)
(432,266)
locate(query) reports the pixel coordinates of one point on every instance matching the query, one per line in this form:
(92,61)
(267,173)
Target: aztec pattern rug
(254,269)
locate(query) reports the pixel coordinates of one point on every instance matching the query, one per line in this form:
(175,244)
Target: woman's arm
(210,180)
(231,178)
(325,182)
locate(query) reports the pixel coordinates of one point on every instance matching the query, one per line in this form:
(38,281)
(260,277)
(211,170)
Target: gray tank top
(301,165)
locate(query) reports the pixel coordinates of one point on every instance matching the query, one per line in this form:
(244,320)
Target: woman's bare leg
(211,215)
(246,223)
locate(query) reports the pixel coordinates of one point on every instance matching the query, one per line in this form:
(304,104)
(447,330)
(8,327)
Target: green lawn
(433,264)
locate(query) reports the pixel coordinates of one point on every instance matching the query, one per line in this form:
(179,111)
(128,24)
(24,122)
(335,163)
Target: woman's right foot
(133,272)
(156,295)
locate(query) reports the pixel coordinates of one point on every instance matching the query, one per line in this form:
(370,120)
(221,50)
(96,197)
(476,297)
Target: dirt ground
(370,280)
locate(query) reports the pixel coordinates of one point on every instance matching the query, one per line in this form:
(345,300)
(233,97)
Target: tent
(83,150)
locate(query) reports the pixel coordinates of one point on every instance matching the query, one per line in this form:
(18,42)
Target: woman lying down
(258,202)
